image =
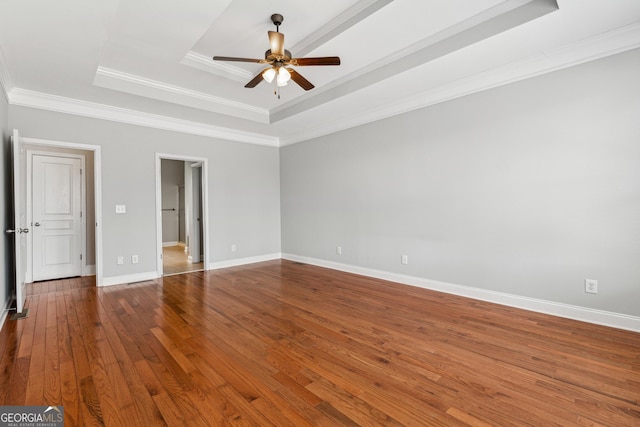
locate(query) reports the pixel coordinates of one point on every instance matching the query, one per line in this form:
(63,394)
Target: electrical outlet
(233,248)
(405,259)
(120,209)
(120,260)
(134,259)
(591,286)
(339,250)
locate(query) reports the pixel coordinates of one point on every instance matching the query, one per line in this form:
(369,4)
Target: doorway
(65,238)
(181,214)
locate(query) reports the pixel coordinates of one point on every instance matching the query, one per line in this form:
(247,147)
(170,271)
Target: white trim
(5,311)
(138,85)
(243,261)
(129,278)
(205,205)
(97,185)
(32,99)
(599,317)
(159,246)
(165,244)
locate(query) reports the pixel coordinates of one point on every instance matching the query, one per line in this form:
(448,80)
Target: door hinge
(80,214)
(80,257)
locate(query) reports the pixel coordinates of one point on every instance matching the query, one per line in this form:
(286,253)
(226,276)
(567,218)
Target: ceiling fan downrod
(277,20)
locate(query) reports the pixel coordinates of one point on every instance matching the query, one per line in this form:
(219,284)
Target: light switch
(121,208)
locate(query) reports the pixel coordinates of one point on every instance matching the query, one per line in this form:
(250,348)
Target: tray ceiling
(149,61)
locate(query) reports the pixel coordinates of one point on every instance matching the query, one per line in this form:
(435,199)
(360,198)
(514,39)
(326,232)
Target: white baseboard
(152,275)
(164,244)
(599,317)
(129,278)
(5,311)
(244,261)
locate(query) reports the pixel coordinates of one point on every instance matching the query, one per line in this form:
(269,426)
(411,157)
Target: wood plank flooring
(175,261)
(287,344)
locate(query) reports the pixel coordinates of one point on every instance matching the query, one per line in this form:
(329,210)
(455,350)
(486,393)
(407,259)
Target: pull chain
(276,90)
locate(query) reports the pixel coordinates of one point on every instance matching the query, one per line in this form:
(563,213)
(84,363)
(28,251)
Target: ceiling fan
(279,59)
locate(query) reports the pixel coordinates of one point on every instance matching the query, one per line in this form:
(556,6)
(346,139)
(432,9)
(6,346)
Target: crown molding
(43,101)
(131,83)
(5,79)
(600,46)
(205,63)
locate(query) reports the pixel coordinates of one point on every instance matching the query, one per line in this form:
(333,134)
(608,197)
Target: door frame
(195,249)
(205,206)
(83,206)
(19,227)
(97,184)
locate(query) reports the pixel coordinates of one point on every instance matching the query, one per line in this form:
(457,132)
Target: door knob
(17,231)
(37,224)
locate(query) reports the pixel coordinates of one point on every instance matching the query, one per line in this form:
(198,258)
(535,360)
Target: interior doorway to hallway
(182,207)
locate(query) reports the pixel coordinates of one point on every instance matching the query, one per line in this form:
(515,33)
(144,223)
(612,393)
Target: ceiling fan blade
(231,58)
(325,60)
(254,81)
(276,40)
(302,82)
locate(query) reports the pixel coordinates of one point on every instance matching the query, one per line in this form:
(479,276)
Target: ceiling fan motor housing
(270,57)
(277,19)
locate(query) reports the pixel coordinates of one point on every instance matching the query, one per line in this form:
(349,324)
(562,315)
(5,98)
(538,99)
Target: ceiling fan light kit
(269,74)
(279,59)
(283,76)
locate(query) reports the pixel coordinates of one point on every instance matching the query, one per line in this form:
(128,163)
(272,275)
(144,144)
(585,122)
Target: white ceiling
(149,61)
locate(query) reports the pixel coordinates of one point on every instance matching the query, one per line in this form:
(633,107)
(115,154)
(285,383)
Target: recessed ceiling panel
(242,29)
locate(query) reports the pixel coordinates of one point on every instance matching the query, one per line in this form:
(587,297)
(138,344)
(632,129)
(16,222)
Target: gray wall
(243,186)
(6,281)
(526,189)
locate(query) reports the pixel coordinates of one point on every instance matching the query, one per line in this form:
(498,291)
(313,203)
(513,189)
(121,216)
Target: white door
(19,230)
(56,217)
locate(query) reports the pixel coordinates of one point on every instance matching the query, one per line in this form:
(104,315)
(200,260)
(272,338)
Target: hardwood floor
(175,261)
(286,344)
